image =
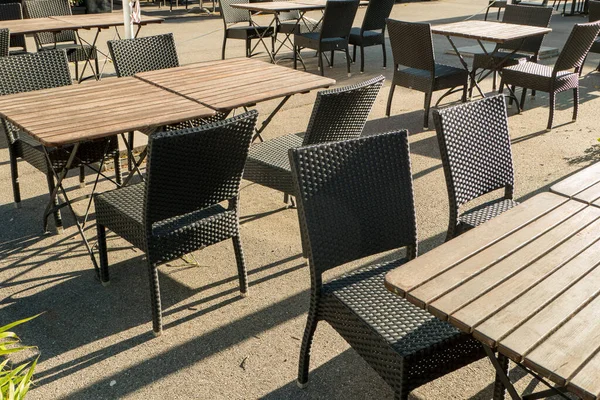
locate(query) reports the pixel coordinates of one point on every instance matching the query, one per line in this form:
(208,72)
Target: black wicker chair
(338,114)
(372,31)
(289,24)
(176,210)
(239,26)
(513,52)
(43,70)
(355,199)
(13,11)
(415,66)
(594,15)
(564,75)
(334,35)
(66,40)
(499,4)
(476,155)
(4,42)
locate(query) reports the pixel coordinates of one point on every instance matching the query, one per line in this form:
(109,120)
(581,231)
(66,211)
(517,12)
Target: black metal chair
(477,158)
(238,25)
(415,66)
(176,210)
(594,15)
(338,114)
(563,76)
(355,199)
(66,40)
(372,31)
(334,35)
(514,51)
(4,42)
(43,70)
(13,11)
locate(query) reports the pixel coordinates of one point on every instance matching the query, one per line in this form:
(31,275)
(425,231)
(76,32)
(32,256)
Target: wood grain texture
(489,31)
(583,186)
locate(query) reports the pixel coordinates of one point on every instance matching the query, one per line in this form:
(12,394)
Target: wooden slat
(498,32)
(279,6)
(103,20)
(578,182)
(585,383)
(35,25)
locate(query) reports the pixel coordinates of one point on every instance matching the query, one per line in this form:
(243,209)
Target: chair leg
(384,54)
(82,176)
(14,174)
(362,59)
(389,102)
(57,216)
(551,116)
(486,14)
(331,61)
(494,76)
(97,67)
(223,47)
(155,297)
(130,159)
(353,53)
(321,64)
(582,64)
(575,102)
(296,50)
(473,76)
(523,94)
(427,106)
(348,61)
(241,265)
(309,332)
(501,87)
(118,171)
(512,91)
(499,389)
(102,254)
(465,91)
(248,48)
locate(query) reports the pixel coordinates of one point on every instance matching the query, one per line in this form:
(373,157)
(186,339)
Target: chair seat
(539,77)
(311,40)
(248,32)
(305,26)
(75,52)
(487,61)
(368,38)
(485,212)
(445,77)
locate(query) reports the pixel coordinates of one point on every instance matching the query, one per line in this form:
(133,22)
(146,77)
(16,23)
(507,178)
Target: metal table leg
(267,121)
(464,63)
(261,36)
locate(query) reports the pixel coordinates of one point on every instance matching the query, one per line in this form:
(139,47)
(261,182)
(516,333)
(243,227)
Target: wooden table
(583,186)
(225,85)
(525,284)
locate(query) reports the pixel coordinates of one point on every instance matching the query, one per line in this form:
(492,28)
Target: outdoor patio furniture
(372,30)
(13,11)
(355,199)
(176,210)
(499,4)
(563,76)
(477,158)
(594,15)
(292,22)
(66,39)
(415,66)
(4,42)
(583,186)
(43,70)
(338,114)
(514,51)
(238,25)
(334,34)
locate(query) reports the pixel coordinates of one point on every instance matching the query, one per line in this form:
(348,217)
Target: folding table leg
(261,36)
(88,54)
(267,121)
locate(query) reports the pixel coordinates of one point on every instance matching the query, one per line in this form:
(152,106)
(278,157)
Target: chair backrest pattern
(195,168)
(377,12)
(13,11)
(132,56)
(338,18)
(4,42)
(412,44)
(475,149)
(233,15)
(526,15)
(355,199)
(49,8)
(577,46)
(593,10)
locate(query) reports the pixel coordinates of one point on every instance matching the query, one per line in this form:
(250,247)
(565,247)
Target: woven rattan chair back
(577,46)
(355,199)
(412,44)
(233,15)
(526,15)
(338,18)
(593,10)
(132,56)
(13,11)
(28,72)
(475,149)
(49,8)
(341,114)
(195,168)
(377,12)
(4,42)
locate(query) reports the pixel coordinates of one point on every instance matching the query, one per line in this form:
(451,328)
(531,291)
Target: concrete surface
(96,342)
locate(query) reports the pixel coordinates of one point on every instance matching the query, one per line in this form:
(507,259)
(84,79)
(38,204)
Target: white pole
(127,20)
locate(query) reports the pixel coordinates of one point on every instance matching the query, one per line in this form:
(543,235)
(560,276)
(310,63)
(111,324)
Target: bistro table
(583,186)
(225,85)
(487,31)
(70,115)
(525,284)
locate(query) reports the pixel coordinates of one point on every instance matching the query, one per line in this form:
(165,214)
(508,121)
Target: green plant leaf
(19,322)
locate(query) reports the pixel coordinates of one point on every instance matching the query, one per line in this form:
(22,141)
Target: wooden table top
(583,186)
(526,283)
(70,114)
(224,85)
(279,6)
(489,31)
(103,20)
(34,25)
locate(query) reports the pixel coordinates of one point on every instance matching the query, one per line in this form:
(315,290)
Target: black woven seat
(527,49)
(476,155)
(338,114)
(245,30)
(13,11)
(563,76)
(334,34)
(372,30)
(65,40)
(38,71)
(176,210)
(415,66)
(355,200)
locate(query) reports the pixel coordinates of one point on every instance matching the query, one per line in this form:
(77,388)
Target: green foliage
(14,381)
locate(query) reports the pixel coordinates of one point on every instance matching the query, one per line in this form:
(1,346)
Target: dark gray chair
(66,40)
(355,199)
(477,158)
(594,15)
(176,210)
(13,11)
(372,31)
(4,42)
(44,70)
(499,4)
(415,66)
(338,114)
(334,35)
(238,25)
(563,76)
